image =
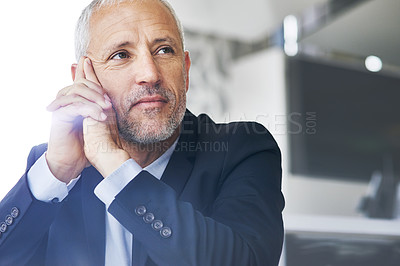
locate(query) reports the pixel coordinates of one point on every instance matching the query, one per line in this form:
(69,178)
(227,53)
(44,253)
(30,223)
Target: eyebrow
(117,46)
(128,43)
(166,39)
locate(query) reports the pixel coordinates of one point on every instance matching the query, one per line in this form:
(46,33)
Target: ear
(73,71)
(187,67)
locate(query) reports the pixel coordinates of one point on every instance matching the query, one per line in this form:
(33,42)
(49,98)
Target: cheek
(175,77)
(111,80)
(113,84)
(180,87)
(180,93)
(115,89)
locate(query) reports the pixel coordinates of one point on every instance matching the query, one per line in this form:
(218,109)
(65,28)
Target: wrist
(107,164)
(63,172)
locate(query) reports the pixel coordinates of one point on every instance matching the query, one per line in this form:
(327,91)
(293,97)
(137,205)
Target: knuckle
(79,80)
(63,91)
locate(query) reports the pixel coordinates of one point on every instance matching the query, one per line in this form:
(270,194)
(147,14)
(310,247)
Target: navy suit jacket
(220,195)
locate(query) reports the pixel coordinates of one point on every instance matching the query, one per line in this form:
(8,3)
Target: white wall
(233,18)
(36,53)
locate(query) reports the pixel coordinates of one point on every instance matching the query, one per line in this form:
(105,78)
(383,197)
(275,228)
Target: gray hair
(82,34)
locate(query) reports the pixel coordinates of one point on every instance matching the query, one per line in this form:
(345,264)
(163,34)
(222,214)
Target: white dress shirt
(45,187)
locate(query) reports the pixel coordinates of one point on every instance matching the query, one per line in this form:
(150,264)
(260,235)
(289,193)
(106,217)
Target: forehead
(131,18)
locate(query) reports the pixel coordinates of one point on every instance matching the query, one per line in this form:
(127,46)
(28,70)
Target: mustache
(147,91)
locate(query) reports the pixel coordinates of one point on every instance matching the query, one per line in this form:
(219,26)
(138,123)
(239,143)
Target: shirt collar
(157,167)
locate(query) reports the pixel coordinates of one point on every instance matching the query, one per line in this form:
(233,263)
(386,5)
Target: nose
(146,69)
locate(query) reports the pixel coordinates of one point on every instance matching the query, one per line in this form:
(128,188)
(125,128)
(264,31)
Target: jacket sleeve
(26,222)
(245,223)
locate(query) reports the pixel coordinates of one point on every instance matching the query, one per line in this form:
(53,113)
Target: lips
(150,100)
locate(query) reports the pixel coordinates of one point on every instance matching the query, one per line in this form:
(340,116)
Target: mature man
(129,176)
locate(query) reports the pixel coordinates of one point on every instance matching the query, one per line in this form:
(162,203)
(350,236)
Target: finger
(74,98)
(89,84)
(79,73)
(79,94)
(78,109)
(64,91)
(88,90)
(69,100)
(91,76)
(90,123)
(112,121)
(89,72)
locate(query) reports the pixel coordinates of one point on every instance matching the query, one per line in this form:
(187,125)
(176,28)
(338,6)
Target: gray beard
(151,130)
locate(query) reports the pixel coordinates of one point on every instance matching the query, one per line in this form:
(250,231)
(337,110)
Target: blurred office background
(322,75)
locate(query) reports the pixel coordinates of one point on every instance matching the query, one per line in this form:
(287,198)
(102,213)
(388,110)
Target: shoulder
(35,154)
(227,144)
(243,135)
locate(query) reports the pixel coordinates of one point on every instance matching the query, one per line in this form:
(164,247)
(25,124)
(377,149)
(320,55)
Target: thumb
(79,71)
(89,72)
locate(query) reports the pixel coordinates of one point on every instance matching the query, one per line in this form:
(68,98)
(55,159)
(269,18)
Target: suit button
(9,220)
(55,200)
(14,212)
(157,225)
(140,211)
(148,218)
(3,227)
(166,232)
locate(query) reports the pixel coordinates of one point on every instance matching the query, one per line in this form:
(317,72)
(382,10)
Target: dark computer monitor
(345,120)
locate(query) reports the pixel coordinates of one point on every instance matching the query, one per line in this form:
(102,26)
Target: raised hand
(102,145)
(66,156)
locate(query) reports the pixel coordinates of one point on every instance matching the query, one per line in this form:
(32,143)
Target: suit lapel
(93,216)
(181,162)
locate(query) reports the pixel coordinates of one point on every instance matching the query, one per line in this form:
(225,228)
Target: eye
(166,50)
(120,55)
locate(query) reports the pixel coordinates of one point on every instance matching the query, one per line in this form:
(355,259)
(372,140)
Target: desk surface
(341,225)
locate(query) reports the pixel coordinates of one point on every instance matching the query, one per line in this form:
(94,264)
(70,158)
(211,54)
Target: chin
(152,112)
(147,130)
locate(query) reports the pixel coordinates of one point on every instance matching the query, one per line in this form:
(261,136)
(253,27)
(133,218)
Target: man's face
(138,58)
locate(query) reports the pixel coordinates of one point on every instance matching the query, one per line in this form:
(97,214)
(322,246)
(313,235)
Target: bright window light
(290,28)
(373,63)
(290,35)
(36,62)
(291,49)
